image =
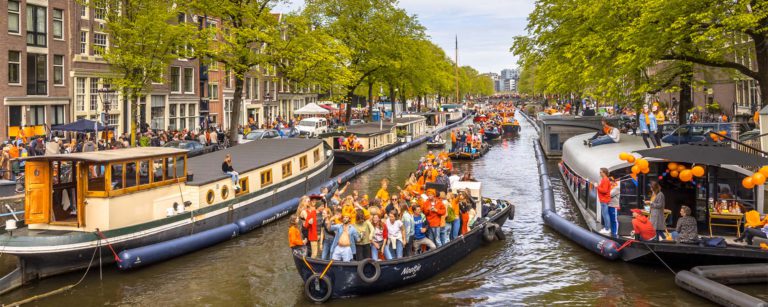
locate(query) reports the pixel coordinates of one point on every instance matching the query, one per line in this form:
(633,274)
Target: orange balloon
(631,159)
(680,168)
(764,170)
(642,163)
(758,179)
(674,173)
(686,175)
(747,183)
(635,169)
(645,170)
(723,132)
(697,171)
(623,156)
(633,175)
(672,165)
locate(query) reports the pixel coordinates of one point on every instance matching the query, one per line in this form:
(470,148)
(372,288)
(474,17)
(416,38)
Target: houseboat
(554,130)
(359,143)
(718,188)
(436,121)
(410,127)
(453,112)
(128,199)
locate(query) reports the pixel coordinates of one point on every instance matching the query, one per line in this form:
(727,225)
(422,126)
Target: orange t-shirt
(294,237)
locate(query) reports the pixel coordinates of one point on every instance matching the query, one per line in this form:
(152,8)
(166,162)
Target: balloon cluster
(639,165)
(681,172)
(717,138)
(758,178)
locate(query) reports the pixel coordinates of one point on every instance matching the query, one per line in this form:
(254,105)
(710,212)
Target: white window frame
(84,44)
(96,10)
(213,94)
(59,20)
(181,78)
(61,67)
(84,9)
(18,63)
(191,82)
(256,86)
(96,46)
(17,12)
(80,93)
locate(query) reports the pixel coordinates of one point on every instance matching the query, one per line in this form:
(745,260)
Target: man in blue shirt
(420,230)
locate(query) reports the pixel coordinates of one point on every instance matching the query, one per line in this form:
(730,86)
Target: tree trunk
(685,103)
(235,109)
(402,98)
(761,53)
(392,99)
(350,94)
(370,100)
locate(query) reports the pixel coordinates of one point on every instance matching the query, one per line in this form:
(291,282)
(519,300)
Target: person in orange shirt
(434,209)
(430,156)
(294,238)
(383,194)
(453,138)
(14,151)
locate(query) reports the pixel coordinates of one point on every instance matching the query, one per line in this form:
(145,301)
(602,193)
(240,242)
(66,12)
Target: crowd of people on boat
(350,143)
(421,215)
(467,141)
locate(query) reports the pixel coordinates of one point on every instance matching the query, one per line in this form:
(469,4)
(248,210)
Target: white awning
(311,109)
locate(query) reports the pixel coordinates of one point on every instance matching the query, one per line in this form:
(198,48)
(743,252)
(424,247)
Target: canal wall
(587,239)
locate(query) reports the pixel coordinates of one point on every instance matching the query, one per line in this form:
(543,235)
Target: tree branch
(740,68)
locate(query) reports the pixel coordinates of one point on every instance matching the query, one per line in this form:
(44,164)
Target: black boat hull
(345,281)
(511,129)
(491,135)
(470,156)
(344,157)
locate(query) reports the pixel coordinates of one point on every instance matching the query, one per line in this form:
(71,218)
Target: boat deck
(245,157)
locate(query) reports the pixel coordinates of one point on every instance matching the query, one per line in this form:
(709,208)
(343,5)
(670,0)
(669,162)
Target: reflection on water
(534,266)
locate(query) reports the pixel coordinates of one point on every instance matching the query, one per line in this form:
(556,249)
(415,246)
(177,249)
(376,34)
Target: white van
(313,126)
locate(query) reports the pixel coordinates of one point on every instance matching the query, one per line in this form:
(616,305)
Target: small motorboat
(510,128)
(491,135)
(324,279)
(463,155)
(436,143)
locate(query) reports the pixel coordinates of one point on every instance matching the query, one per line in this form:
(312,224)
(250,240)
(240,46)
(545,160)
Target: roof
(704,153)
(246,157)
(133,153)
(370,129)
(587,161)
(409,119)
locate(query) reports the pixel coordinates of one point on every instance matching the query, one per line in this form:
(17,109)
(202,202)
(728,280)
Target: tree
(143,41)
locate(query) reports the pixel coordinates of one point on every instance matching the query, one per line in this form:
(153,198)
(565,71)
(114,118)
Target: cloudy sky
(485,27)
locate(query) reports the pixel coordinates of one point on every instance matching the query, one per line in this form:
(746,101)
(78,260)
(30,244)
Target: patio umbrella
(81,125)
(705,154)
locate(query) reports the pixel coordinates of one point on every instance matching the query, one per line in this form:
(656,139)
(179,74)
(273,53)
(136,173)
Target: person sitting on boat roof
(420,230)
(642,227)
(294,238)
(687,229)
(226,166)
(343,246)
(607,135)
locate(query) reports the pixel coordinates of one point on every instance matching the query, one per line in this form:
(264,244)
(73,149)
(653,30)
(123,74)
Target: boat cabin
(453,112)
(556,129)
(435,120)
(474,188)
(368,136)
(125,187)
(411,126)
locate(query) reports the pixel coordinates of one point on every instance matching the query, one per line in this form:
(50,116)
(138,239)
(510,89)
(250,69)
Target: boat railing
(751,146)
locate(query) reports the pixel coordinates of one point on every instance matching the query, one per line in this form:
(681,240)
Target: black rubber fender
(489,232)
(511,212)
(500,234)
(361,270)
(318,289)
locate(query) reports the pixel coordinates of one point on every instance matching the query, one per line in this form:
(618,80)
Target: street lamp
(107,95)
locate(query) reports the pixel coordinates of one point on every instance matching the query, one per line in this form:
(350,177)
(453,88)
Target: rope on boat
(657,256)
(313,270)
(59,290)
(326,269)
(103,237)
(626,244)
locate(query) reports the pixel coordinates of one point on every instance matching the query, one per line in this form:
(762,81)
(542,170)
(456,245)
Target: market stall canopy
(311,109)
(328,107)
(81,125)
(704,154)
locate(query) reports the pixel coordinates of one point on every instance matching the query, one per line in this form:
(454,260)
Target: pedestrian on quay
(648,127)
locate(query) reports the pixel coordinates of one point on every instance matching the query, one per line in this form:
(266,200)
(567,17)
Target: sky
(485,28)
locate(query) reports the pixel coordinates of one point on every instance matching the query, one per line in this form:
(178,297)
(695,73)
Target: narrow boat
(491,134)
(410,127)
(124,200)
(510,128)
(371,139)
(462,155)
(436,144)
(480,118)
(453,112)
(325,279)
(721,184)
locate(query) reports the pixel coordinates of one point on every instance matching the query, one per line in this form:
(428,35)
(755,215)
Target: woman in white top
(395,236)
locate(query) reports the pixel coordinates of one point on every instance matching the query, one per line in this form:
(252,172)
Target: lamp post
(107,95)
(268,98)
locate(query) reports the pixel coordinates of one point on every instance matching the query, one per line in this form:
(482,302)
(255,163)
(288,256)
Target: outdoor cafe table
(731,220)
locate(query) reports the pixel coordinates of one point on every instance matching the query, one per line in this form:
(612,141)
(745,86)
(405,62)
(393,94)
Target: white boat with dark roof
(124,200)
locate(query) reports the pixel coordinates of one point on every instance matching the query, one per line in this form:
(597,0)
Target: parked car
(313,126)
(195,148)
(691,133)
(290,132)
(261,134)
(749,135)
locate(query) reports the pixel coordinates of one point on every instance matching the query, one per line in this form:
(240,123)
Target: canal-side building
(34,87)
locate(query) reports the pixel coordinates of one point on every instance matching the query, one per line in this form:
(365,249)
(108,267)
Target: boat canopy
(370,129)
(586,161)
(105,156)
(709,154)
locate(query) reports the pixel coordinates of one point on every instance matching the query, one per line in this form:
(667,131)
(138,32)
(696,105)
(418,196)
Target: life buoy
(511,213)
(500,234)
(361,270)
(489,232)
(318,289)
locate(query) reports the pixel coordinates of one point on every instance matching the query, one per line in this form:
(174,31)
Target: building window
(172,116)
(58,115)
(84,9)
(14,67)
(182,117)
(256,88)
(100,10)
(36,26)
(37,68)
(83,42)
(99,43)
(58,69)
(113,120)
(213,91)
(228,78)
(287,169)
(227,111)
(58,24)
(266,178)
(36,115)
(13,17)
(80,94)
(157,114)
(189,80)
(303,162)
(94,97)
(191,116)
(175,79)
(248,88)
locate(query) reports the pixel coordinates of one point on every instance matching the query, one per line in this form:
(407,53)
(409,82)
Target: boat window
(180,166)
(130,174)
(244,187)
(210,197)
(144,172)
(157,170)
(96,178)
(730,190)
(169,170)
(266,178)
(224,192)
(316,155)
(303,162)
(287,169)
(117,176)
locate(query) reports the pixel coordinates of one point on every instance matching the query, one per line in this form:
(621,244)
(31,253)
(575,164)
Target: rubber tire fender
(310,283)
(500,234)
(361,270)
(489,232)
(511,213)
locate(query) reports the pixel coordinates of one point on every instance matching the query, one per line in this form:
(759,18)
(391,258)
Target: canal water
(534,266)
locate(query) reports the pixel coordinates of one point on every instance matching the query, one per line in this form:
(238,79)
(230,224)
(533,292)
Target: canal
(534,266)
